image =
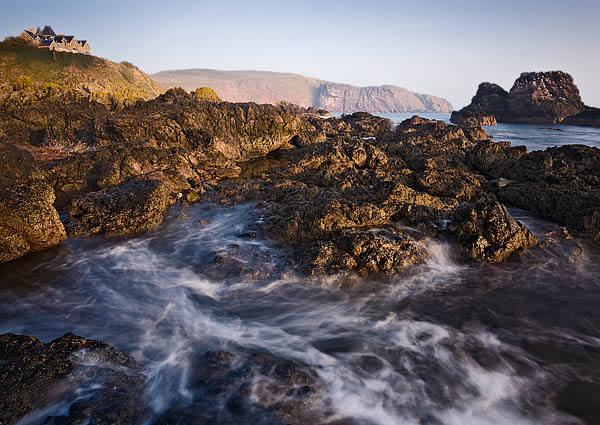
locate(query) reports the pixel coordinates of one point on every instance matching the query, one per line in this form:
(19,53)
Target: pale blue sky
(439,47)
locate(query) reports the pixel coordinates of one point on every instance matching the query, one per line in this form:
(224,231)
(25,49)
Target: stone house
(48,39)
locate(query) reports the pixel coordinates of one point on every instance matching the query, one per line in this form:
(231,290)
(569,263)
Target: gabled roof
(30,34)
(82,42)
(46,43)
(48,30)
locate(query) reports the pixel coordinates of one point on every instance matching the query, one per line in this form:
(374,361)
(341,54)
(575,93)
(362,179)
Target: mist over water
(451,342)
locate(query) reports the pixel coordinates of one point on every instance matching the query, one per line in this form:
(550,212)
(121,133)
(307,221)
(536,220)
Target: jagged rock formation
(29,221)
(335,190)
(342,203)
(536,97)
(34,375)
(272,87)
(127,208)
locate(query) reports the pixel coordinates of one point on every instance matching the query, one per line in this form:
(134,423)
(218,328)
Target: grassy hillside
(23,65)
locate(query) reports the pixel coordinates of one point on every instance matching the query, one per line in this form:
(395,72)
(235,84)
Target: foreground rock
(560,183)
(489,233)
(29,220)
(128,208)
(536,97)
(72,380)
(34,375)
(252,388)
(344,204)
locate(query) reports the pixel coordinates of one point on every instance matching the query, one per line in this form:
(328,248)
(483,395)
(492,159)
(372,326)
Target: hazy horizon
(442,49)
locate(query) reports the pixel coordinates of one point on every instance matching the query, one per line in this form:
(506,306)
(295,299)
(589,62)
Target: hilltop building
(48,39)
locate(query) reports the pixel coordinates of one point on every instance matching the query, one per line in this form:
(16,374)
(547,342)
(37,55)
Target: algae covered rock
(34,375)
(206,93)
(131,207)
(489,233)
(29,220)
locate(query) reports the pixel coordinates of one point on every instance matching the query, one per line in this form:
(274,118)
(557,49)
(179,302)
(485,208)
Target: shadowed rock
(29,220)
(34,375)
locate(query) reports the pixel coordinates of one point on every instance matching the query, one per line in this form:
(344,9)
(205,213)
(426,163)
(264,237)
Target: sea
(533,136)
(450,342)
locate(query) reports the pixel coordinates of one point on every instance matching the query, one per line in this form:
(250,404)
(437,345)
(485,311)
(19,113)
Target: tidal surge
(225,333)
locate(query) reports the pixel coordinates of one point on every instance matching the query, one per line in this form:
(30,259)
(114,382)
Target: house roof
(46,43)
(30,34)
(48,30)
(64,38)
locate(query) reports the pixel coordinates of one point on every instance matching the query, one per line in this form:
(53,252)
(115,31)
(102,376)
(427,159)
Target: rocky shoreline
(350,196)
(326,186)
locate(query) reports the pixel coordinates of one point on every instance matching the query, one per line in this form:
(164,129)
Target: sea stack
(536,97)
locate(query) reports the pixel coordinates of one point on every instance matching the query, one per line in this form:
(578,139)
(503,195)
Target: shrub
(22,82)
(206,93)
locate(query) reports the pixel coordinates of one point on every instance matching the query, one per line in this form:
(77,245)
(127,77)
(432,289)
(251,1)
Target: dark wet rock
(128,208)
(359,124)
(495,159)
(378,252)
(589,118)
(536,97)
(87,172)
(476,133)
(488,232)
(581,399)
(34,375)
(29,220)
(561,184)
(254,388)
(472,118)
(489,102)
(175,119)
(334,202)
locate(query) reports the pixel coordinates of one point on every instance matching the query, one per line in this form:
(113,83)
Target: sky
(445,48)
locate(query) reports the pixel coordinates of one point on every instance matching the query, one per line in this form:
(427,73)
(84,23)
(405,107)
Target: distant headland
(273,87)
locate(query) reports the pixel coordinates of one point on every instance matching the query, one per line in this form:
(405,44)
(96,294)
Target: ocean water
(451,342)
(533,136)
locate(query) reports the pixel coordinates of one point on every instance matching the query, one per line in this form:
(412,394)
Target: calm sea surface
(534,136)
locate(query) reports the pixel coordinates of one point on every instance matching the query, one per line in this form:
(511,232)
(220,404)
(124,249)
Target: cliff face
(389,99)
(25,66)
(536,97)
(273,87)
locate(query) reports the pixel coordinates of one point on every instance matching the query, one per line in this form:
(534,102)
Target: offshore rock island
(104,156)
(535,98)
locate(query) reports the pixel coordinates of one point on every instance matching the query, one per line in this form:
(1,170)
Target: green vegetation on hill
(25,66)
(206,93)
